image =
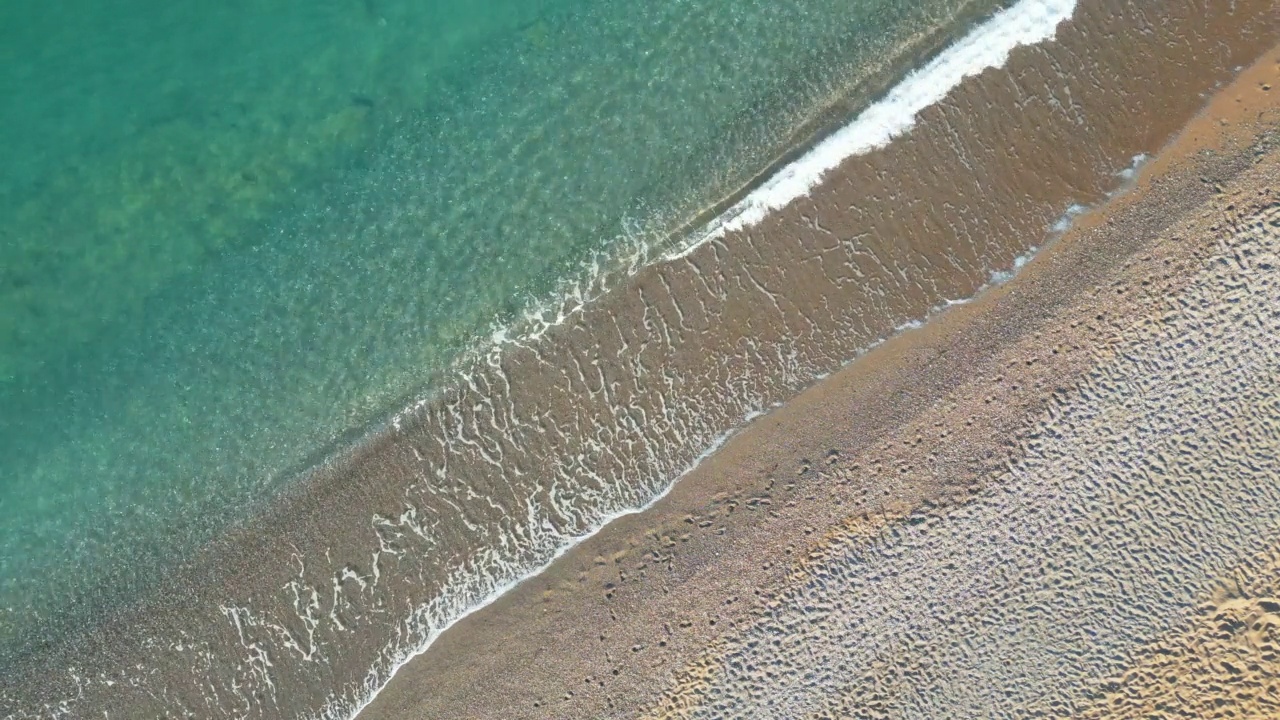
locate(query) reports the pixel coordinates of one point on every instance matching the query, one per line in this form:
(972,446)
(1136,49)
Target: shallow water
(237,233)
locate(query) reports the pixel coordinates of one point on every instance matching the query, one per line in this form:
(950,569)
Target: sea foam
(987,46)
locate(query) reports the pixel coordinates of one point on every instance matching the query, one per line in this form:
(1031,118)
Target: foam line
(560,552)
(987,46)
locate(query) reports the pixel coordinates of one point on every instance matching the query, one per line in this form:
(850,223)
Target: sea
(241,241)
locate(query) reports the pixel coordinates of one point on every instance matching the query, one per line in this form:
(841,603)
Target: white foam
(1027,23)
(1000,277)
(406,655)
(1135,165)
(987,46)
(492,597)
(1068,218)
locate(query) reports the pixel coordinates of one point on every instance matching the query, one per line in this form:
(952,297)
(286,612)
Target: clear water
(234,233)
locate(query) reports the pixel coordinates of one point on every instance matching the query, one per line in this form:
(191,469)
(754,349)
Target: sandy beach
(945,479)
(719,601)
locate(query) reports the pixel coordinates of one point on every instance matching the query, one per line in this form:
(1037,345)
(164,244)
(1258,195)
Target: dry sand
(718,601)
(1222,663)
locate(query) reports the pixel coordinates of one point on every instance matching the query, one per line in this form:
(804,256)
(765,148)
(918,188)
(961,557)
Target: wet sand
(665,613)
(601,411)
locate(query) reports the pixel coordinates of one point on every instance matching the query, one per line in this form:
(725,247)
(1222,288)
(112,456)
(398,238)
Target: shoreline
(839,114)
(355,443)
(255,575)
(460,654)
(501,596)
(83,413)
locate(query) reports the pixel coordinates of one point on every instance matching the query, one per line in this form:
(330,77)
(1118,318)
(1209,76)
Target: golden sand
(1224,663)
(917,430)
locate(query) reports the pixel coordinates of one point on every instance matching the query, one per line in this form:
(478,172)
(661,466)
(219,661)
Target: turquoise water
(235,234)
